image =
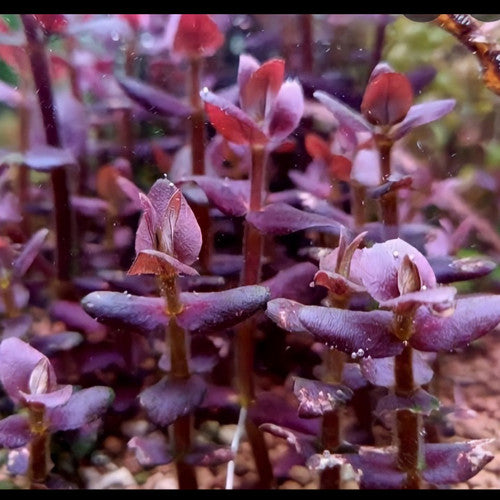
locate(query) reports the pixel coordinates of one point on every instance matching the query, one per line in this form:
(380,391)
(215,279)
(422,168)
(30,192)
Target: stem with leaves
(251,273)
(177,338)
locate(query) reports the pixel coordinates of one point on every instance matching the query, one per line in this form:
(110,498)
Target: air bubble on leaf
(360,353)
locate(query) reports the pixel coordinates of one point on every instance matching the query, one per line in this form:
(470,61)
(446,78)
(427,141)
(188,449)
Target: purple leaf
(420,114)
(379,267)
(186,233)
(352,376)
(153,99)
(229,196)
(82,408)
(377,466)
(366,168)
(10,208)
(204,356)
(18,461)
(48,399)
(419,402)
(10,96)
(90,207)
(204,312)
(440,296)
(316,398)
(312,203)
(21,297)
(449,463)
(275,409)
(345,115)
(46,158)
(75,317)
(151,450)
(55,342)
(170,399)
(286,111)
(209,455)
(449,269)
(285,313)
(118,310)
(18,326)
(302,443)
(357,333)
(281,219)
(17,362)
(380,371)
(29,252)
(473,317)
(15,431)
(293,283)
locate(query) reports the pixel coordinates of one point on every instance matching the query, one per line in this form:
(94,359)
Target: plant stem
(409,425)
(389,200)
(358,196)
(252,254)
(176,337)
(125,133)
(11,309)
(64,217)
(39,459)
(306,28)
(197,133)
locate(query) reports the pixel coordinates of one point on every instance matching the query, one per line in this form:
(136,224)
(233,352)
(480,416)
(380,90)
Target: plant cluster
(211,218)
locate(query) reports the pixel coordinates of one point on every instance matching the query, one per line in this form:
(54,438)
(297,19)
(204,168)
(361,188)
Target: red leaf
(261,88)
(197,36)
(231,122)
(317,147)
(340,167)
(387,99)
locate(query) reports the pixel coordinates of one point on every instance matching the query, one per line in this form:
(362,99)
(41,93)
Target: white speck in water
(424,287)
(360,353)
(115,36)
(395,254)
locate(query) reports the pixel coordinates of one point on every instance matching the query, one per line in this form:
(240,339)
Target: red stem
(64,216)
(197,131)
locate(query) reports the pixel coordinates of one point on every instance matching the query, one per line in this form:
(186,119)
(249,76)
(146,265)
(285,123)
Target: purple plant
(29,380)
(276,267)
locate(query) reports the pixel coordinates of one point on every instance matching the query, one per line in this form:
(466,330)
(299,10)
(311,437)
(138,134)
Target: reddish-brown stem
(125,133)
(408,432)
(330,440)
(358,196)
(39,459)
(388,201)
(11,309)
(197,132)
(252,253)
(176,337)
(66,253)
(306,28)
